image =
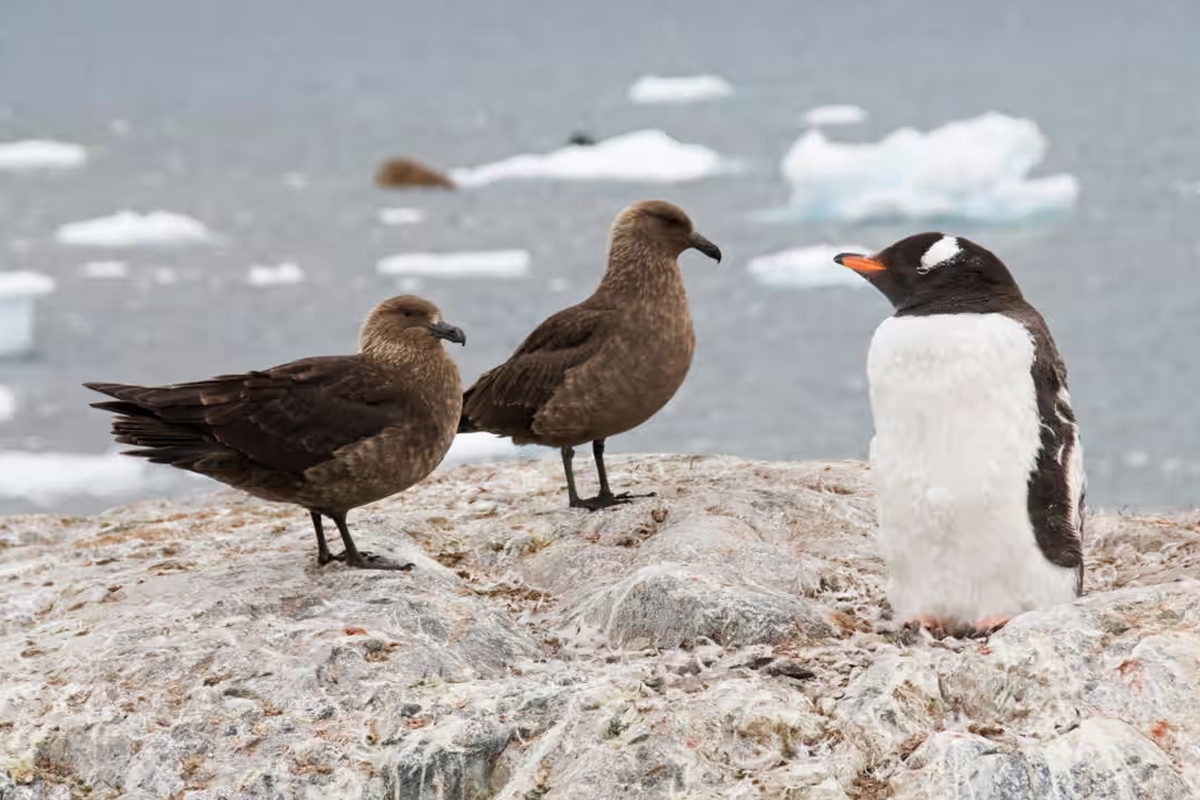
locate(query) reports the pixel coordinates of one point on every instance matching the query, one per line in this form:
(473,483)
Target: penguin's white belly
(957,434)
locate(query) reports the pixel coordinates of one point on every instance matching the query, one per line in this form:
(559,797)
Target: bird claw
(938,629)
(365,560)
(607,500)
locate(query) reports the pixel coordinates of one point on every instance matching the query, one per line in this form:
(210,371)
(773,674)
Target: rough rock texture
(727,639)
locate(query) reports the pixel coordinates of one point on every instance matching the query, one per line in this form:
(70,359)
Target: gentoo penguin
(608,364)
(976,458)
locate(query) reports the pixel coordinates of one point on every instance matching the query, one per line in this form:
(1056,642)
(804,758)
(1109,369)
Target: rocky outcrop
(400,173)
(726,639)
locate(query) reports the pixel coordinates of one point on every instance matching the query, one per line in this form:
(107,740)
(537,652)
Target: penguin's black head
(932,273)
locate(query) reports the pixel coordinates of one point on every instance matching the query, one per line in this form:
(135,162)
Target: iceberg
(807,268)
(17,293)
(974,170)
(649,155)
(482,264)
(690,89)
(33,154)
(401,216)
(46,478)
(474,448)
(131,229)
(284,274)
(835,115)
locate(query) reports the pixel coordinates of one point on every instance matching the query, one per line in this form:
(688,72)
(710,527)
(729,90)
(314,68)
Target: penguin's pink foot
(936,627)
(989,625)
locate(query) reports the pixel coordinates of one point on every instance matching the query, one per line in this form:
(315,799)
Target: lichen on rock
(728,638)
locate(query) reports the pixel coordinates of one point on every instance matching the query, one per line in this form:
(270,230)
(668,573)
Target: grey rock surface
(728,638)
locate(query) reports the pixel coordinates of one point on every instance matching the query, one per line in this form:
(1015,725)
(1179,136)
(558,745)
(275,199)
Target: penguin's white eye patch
(941,251)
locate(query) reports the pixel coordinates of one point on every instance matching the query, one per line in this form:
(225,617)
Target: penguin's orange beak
(859,263)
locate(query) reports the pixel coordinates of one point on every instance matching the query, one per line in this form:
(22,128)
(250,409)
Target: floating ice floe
(483,264)
(284,274)
(806,268)
(648,155)
(46,478)
(17,293)
(689,89)
(835,115)
(8,404)
(34,154)
(105,269)
(131,229)
(474,448)
(401,216)
(974,169)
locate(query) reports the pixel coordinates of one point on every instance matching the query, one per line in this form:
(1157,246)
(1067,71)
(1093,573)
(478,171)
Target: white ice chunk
(105,269)
(807,268)
(689,89)
(283,274)
(45,478)
(17,293)
(8,404)
(131,229)
(975,169)
(835,115)
(401,216)
(34,154)
(648,155)
(484,263)
(471,448)
(165,276)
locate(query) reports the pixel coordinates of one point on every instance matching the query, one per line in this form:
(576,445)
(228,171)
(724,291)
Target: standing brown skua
(607,365)
(328,433)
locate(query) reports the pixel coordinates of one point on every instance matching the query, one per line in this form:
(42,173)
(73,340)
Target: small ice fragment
(164,276)
(401,216)
(835,115)
(105,269)
(557,284)
(17,293)
(689,89)
(32,154)
(469,448)
(295,180)
(1137,459)
(807,268)
(8,404)
(131,229)
(648,155)
(283,274)
(485,264)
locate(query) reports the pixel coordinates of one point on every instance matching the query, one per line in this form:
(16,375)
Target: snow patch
(835,115)
(105,269)
(284,274)
(484,264)
(131,229)
(401,216)
(45,478)
(33,154)
(974,169)
(690,89)
(8,404)
(473,448)
(807,268)
(648,155)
